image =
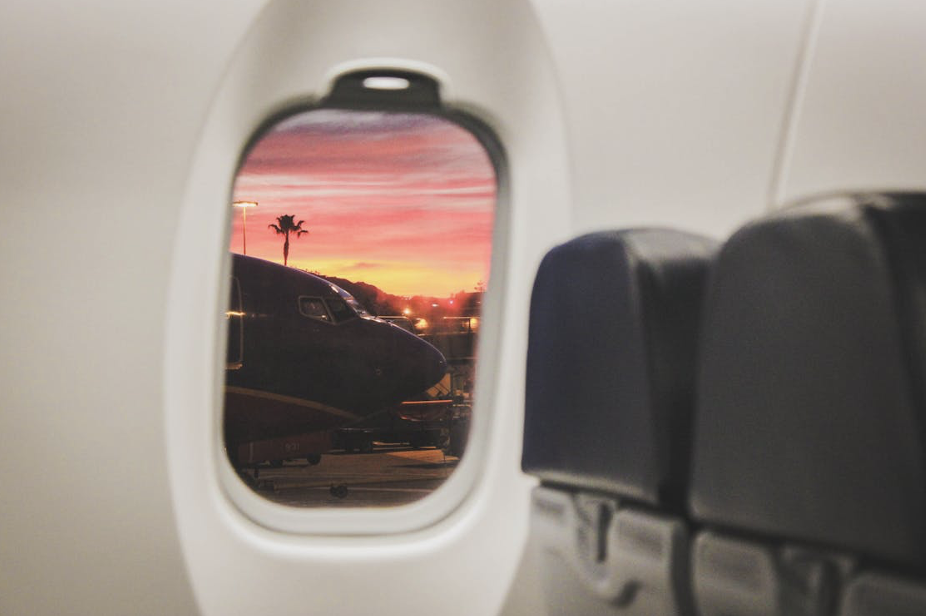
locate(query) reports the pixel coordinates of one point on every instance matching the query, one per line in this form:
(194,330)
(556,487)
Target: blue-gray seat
(809,461)
(610,370)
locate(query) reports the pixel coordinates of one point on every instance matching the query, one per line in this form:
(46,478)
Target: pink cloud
(364,266)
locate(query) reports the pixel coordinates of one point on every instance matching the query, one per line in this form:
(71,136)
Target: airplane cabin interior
(486,307)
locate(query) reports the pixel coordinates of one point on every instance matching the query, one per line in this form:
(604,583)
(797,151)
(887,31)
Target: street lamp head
(245,204)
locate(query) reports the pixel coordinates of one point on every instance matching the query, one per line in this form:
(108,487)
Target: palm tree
(284,227)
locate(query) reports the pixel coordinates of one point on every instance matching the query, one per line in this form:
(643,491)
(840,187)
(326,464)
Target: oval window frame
(451,495)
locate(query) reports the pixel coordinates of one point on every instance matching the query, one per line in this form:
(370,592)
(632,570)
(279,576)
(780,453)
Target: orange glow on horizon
(396,278)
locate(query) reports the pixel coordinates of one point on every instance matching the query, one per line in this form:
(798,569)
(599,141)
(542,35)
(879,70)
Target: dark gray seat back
(610,369)
(809,433)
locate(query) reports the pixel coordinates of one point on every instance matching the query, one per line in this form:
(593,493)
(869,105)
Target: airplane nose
(424,364)
(435,364)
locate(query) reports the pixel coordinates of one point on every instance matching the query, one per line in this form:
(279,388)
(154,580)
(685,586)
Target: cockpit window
(357,307)
(353,303)
(366,218)
(314,307)
(340,310)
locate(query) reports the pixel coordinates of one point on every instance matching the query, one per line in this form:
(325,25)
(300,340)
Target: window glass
(380,224)
(340,311)
(356,306)
(313,307)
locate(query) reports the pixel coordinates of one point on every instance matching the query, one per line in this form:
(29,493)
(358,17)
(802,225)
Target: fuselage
(304,356)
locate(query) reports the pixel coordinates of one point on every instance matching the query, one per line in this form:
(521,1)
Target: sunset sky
(402,201)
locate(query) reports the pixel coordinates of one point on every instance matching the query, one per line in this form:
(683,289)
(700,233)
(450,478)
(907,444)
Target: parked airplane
(304,358)
(123,127)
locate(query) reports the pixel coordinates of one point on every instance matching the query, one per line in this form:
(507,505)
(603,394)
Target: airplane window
(313,307)
(353,303)
(379,222)
(340,310)
(357,307)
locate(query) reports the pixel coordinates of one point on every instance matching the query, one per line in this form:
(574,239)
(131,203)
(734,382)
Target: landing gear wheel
(276,463)
(366,446)
(313,458)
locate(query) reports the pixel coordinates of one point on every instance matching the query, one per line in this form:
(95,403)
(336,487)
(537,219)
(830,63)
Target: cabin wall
(674,110)
(101,107)
(859,122)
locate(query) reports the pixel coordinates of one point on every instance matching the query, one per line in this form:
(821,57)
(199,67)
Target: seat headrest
(810,408)
(610,362)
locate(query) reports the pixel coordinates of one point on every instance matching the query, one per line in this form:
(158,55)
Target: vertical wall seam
(799,78)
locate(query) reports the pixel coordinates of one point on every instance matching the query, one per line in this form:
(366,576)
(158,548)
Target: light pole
(244,205)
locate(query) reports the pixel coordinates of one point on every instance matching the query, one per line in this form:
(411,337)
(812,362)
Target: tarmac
(386,477)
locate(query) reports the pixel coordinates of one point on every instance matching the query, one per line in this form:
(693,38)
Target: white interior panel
(859,123)
(675,109)
(101,106)
(492,62)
